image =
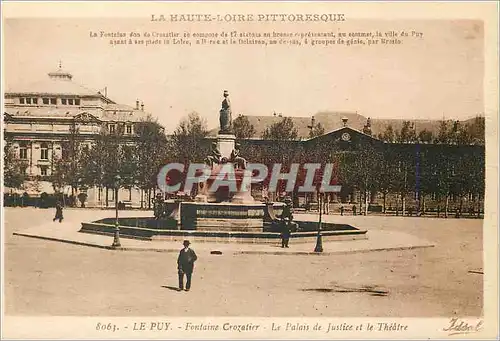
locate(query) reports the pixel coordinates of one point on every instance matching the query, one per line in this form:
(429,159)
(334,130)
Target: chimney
(142,106)
(344,121)
(137,105)
(312,121)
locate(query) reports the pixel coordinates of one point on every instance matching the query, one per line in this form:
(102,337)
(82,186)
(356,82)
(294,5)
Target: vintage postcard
(249,170)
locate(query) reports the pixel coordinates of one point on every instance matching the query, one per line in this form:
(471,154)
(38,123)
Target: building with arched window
(41,117)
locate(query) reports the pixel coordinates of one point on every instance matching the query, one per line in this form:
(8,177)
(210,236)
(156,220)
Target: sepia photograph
(249,170)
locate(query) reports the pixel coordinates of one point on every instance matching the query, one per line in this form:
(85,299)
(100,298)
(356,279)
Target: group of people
(354,209)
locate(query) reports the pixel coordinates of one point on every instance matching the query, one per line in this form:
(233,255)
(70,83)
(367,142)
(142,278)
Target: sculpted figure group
(215,157)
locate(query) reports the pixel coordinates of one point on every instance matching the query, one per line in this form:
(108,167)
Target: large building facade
(40,117)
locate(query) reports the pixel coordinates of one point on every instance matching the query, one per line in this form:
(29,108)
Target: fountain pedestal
(224,216)
(225,144)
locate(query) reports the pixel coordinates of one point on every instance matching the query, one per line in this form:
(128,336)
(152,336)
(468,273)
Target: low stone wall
(219,236)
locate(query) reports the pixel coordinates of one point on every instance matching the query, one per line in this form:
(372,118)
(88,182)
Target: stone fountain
(224,209)
(223,215)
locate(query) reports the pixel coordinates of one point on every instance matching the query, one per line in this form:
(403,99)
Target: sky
(439,75)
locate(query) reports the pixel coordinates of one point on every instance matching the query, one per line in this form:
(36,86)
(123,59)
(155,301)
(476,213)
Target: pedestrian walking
(185,265)
(285,233)
(353,209)
(59,212)
(342,210)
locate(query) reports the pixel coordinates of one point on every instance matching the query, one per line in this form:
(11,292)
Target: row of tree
(384,169)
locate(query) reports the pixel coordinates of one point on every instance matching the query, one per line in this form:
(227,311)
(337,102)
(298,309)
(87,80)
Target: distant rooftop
(58,82)
(333,120)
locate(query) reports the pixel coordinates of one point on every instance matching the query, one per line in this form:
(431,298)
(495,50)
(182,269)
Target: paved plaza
(47,277)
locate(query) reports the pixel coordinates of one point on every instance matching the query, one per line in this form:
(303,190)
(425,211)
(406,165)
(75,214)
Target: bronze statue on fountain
(215,156)
(238,161)
(225,118)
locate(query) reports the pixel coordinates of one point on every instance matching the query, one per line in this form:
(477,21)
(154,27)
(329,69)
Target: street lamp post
(116,239)
(319,239)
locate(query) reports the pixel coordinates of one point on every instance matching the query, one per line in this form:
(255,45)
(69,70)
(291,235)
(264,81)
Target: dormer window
(70,101)
(49,100)
(28,100)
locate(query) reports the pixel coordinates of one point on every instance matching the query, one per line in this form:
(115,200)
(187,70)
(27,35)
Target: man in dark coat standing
(286,222)
(185,265)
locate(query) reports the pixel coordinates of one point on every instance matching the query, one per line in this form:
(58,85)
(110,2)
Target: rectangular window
(34,100)
(53,101)
(77,101)
(129,129)
(43,170)
(45,101)
(21,100)
(44,154)
(23,153)
(63,101)
(28,100)
(112,128)
(70,101)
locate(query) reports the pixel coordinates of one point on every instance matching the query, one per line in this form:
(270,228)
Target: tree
(283,130)
(445,175)
(150,154)
(387,173)
(405,173)
(14,169)
(477,130)
(443,136)
(242,128)
(316,130)
(187,140)
(425,136)
(387,135)
(102,162)
(407,133)
(361,170)
(67,169)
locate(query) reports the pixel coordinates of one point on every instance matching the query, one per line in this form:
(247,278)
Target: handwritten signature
(458,326)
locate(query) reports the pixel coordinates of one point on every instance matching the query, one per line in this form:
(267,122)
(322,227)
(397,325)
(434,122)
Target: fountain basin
(168,230)
(219,236)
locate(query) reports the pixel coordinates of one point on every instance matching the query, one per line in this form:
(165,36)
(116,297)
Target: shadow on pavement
(170,287)
(365,289)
